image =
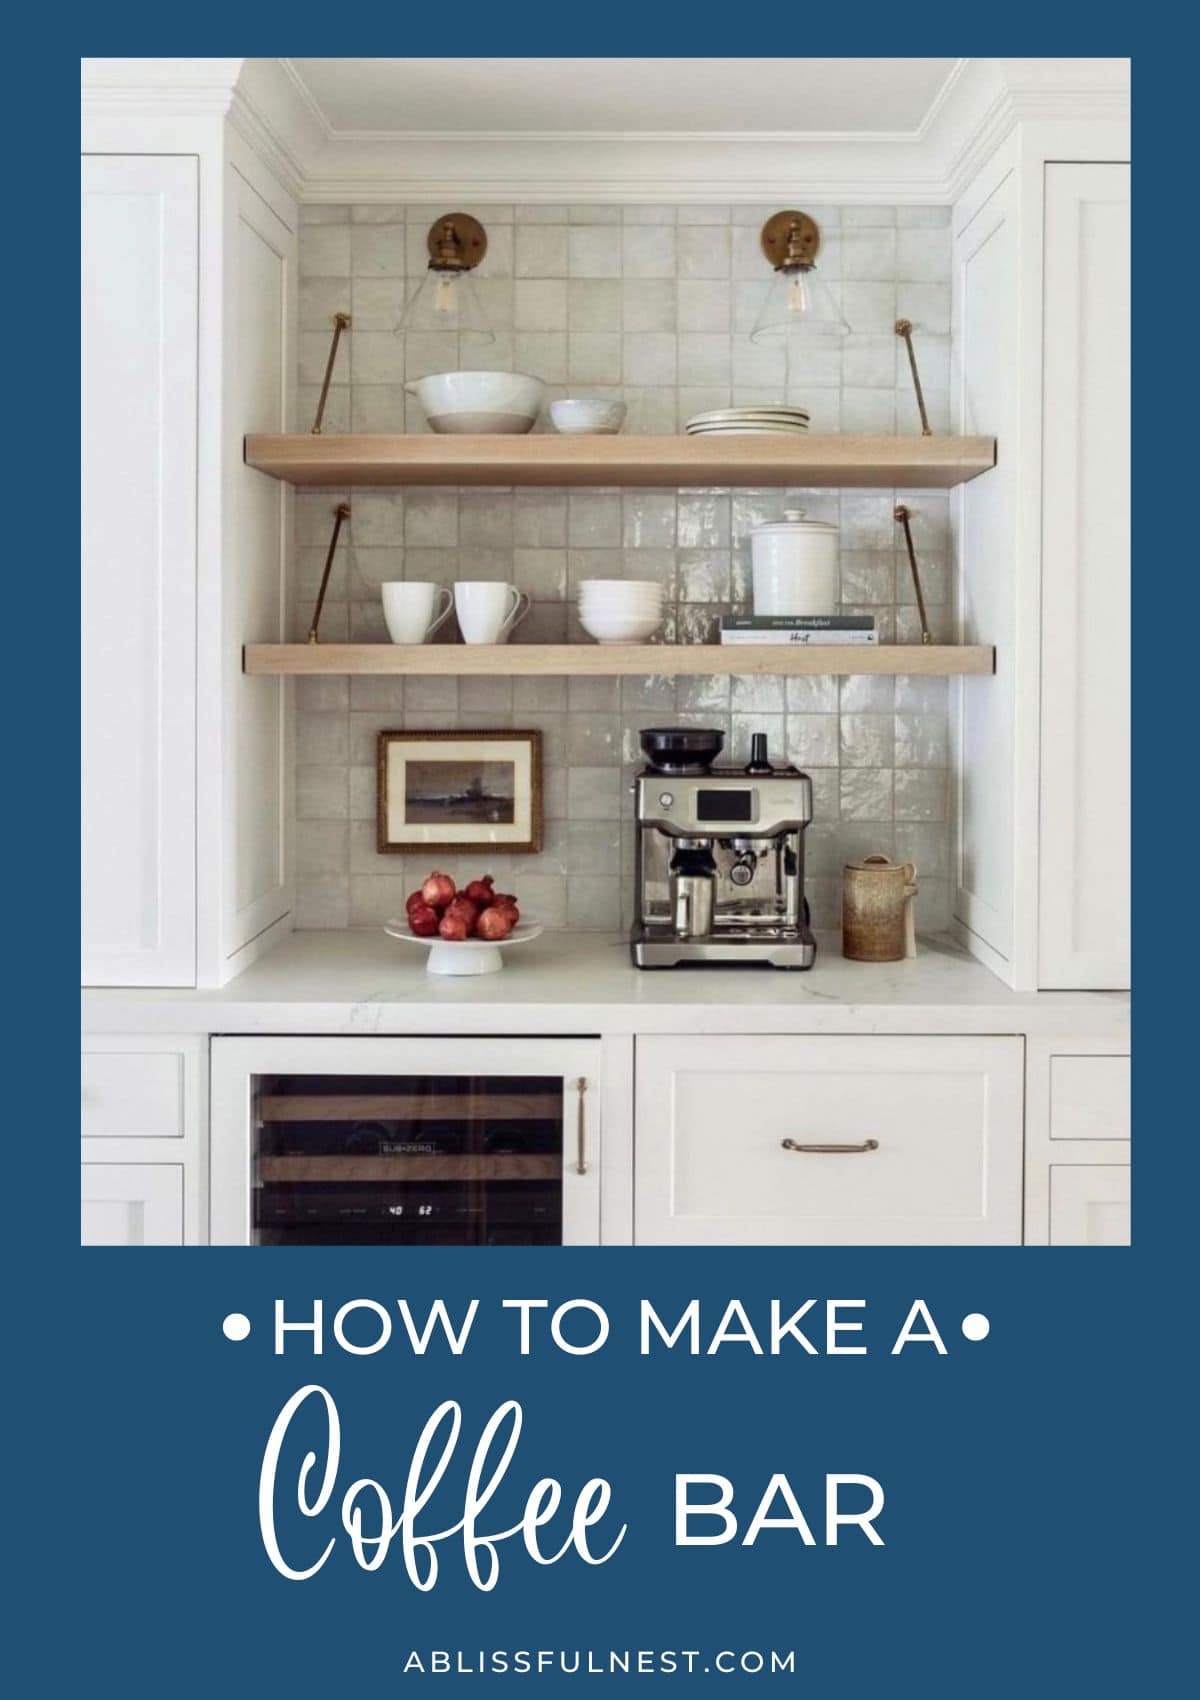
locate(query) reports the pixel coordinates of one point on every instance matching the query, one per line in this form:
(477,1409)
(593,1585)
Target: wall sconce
(797,301)
(446,299)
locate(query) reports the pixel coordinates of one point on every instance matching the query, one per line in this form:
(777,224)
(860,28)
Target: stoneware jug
(877,910)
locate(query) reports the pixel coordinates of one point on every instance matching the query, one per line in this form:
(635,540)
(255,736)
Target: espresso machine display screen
(725,806)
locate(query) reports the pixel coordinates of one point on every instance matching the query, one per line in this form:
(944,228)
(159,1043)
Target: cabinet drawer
(1089,1098)
(933,1128)
(131,1204)
(1089,1204)
(133,1094)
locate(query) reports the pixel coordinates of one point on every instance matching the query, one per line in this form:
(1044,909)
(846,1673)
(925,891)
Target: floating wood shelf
(402,1167)
(543,458)
(517,659)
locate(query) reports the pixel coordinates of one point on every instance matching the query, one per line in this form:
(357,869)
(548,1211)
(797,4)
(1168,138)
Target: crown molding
(177,88)
(978,106)
(273,117)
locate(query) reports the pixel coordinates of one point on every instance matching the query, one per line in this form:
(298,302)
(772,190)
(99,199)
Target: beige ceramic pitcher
(878,922)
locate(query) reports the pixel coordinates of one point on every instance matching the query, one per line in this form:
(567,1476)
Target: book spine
(798,623)
(789,638)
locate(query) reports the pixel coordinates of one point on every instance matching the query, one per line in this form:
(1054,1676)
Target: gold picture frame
(436,790)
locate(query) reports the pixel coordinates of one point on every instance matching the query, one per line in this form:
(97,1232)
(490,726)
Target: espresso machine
(720,855)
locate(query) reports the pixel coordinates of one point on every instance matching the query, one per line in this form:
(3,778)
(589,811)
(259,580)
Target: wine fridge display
(492,1154)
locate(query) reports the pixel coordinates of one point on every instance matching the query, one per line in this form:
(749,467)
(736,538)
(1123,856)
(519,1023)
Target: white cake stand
(464,956)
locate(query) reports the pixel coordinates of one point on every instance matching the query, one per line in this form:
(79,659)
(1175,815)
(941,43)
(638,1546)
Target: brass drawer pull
(581,1167)
(844,1150)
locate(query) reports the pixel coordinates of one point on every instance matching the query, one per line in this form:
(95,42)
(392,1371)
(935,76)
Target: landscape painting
(459,791)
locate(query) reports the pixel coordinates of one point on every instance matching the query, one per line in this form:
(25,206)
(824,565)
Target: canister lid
(793,520)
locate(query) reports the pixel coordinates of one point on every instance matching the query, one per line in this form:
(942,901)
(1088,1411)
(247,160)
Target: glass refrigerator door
(407,1160)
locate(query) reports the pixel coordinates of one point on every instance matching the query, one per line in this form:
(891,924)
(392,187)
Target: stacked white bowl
(618,610)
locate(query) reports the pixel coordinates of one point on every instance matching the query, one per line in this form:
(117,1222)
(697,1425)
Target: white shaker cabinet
(1085,709)
(139,383)
(131,1204)
(850,1140)
(1089,1204)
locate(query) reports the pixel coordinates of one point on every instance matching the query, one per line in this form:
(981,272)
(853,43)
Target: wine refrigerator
(407,1142)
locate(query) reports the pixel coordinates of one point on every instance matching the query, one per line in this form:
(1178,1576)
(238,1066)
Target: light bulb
(797,295)
(444,301)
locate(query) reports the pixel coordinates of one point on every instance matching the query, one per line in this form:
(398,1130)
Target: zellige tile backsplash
(652,305)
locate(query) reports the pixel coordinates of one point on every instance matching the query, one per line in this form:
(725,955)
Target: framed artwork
(460,791)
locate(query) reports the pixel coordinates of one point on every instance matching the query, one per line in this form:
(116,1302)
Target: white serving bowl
(486,403)
(576,417)
(619,628)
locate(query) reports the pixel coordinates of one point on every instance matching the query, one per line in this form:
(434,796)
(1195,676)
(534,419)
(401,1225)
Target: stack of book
(798,628)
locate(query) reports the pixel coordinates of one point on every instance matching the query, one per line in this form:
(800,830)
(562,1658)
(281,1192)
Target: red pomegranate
(438,890)
(423,920)
(496,922)
(453,926)
(463,906)
(480,891)
(415,900)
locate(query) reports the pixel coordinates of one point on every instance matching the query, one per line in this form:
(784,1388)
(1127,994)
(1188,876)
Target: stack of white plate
(618,610)
(749,421)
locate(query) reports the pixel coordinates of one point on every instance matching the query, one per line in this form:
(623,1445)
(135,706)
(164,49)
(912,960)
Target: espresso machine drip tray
(660,947)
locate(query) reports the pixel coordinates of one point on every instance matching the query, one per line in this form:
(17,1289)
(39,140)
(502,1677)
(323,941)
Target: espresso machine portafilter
(720,856)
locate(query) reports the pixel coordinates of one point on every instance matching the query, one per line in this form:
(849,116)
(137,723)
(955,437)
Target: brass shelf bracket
(904,329)
(902,516)
(341,322)
(341,513)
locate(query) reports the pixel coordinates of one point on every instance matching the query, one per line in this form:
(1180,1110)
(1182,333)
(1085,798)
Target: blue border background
(1034,1481)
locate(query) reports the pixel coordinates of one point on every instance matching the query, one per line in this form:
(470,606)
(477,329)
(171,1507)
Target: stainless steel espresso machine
(720,855)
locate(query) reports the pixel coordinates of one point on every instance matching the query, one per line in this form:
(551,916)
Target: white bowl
(619,628)
(620,610)
(576,417)
(480,402)
(464,956)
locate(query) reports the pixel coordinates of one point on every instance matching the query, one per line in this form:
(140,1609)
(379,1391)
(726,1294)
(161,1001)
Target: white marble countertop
(584,983)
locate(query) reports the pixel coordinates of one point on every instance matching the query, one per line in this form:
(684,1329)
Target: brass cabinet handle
(581,1167)
(845,1150)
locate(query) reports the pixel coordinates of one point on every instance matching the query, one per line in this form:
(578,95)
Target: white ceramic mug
(409,609)
(487,611)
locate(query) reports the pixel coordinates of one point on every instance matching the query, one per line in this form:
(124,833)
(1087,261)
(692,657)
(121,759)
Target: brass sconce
(341,322)
(445,299)
(798,300)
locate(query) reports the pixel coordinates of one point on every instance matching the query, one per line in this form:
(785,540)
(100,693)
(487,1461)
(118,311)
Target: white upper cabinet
(1085,708)
(139,383)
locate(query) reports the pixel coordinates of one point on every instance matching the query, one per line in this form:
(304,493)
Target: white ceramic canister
(795,563)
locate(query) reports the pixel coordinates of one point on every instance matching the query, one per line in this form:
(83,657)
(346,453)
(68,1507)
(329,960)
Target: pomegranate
(423,920)
(509,907)
(496,922)
(453,926)
(504,897)
(463,906)
(438,890)
(480,891)
(414,900)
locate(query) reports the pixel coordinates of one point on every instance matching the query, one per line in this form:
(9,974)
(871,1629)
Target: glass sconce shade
(445,301)
(799,302)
